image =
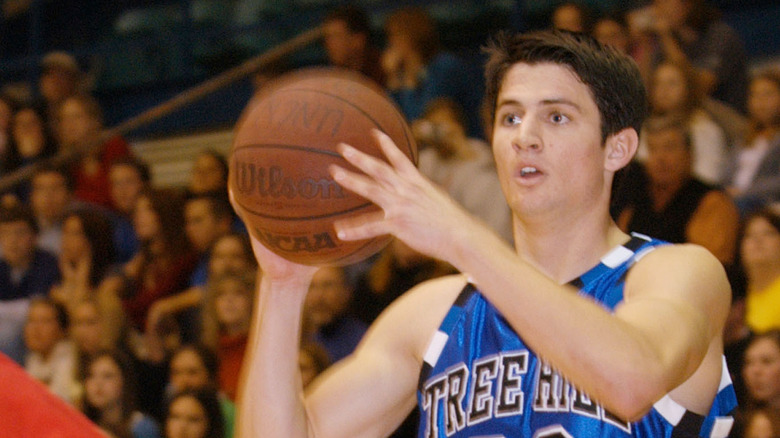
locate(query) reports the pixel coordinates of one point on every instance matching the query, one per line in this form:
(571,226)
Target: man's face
(17,240)
(668,158)
(328,296)
(42,331)
(188,371)
(49,197)
(201,225)
(76,126)
(207,175)
(126,187)
(56,85)
(547,141)
(340,42)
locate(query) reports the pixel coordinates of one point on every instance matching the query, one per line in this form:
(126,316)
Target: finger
(397,159)
(376,168)
(357,183)
(365,226)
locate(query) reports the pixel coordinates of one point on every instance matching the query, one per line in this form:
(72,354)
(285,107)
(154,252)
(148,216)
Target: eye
(558,118)
(510,119)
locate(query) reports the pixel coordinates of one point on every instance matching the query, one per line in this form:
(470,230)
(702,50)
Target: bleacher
(149,51)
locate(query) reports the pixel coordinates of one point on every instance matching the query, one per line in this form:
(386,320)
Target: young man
(554,338)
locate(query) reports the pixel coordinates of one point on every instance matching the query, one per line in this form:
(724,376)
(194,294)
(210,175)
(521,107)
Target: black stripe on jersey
(425,372)
(689,426)
(465,294)
(635,243)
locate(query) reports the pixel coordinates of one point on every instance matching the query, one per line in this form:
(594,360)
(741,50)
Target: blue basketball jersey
(480,380)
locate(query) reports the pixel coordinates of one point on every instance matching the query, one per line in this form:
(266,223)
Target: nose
(527,136)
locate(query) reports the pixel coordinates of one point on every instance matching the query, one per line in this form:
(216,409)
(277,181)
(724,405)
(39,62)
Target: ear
(620,149)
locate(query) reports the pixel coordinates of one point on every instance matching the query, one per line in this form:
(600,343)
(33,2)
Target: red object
(29,409)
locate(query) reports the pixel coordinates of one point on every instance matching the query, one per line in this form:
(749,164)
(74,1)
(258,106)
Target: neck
(111,415)
(565,249)
(760,277)
(662,193)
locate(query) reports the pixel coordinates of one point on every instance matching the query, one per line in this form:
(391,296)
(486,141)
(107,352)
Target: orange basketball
(282,147)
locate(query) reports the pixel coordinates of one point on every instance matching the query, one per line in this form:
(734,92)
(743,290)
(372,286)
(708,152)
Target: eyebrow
(544,102)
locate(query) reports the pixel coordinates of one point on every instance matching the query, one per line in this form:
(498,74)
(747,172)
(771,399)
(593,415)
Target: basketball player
(579,331)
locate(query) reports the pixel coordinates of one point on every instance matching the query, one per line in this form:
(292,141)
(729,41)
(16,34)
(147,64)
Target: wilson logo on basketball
(272,182)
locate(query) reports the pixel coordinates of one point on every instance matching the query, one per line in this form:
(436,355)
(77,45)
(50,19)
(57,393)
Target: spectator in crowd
(128,178)
(313,360)
(232,253)
(51,196)
(571,16)
(754,172)
(61,77)
(762,370)
(417,71)
(757,423)
(25,272)
(207,217)
(164,263)
(209,173)
(760,258)
(109,397)
(88,332)
(463,166)
(327,320)
(80,129)
(673,92)
(347,40)
(227,317)
(675,205)
(195,367)
(397,268)
(30,142)
(85,262)
(195,413)
(693,31)
(612,30)
(51,357)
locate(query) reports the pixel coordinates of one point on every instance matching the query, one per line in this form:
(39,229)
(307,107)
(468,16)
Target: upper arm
(369,393)
(677,298)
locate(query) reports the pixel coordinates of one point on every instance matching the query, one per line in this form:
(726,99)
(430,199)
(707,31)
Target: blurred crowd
(133,302)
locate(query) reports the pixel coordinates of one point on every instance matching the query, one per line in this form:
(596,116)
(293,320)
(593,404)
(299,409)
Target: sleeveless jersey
(480,380)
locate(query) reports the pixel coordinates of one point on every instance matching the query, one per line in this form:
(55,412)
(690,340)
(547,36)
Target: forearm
(614,362)
(270,402)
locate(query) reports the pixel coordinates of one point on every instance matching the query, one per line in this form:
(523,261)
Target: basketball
(282,147)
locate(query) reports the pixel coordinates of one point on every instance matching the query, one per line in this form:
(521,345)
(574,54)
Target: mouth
(528,171)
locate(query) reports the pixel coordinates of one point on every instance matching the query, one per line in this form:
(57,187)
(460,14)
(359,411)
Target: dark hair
(613,78)
(207,356)
(13,159)
(354,17)
(136,163)
(100,234)
(168,204)
(18,213)
(765,213)
(209,401)
(128,399)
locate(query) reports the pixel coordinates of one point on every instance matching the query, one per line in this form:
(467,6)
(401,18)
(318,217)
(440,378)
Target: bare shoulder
(681,272)
(413,318)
